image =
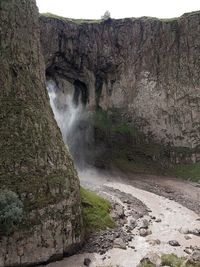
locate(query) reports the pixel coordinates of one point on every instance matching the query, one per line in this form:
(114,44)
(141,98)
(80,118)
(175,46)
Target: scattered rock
(145,232)
(148,210)
(145,224)
(119,243)
(196,255)
(195,232)
(158,220)
(133,223)
(187,237)
(154,242)
(152,258)
(184,231)
(188,250)
(174,243)
(87,261)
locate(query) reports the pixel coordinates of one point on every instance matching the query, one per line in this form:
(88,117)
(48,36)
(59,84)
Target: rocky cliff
(34,162)
(146,68)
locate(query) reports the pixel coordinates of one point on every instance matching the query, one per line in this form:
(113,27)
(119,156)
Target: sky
(93,9)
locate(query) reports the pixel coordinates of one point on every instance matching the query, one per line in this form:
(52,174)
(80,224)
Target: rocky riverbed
(148,225)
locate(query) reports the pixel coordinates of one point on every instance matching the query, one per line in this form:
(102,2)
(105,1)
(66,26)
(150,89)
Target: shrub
(11,211)
(106,15)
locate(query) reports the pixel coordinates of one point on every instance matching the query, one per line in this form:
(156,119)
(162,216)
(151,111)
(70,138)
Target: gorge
(125,94)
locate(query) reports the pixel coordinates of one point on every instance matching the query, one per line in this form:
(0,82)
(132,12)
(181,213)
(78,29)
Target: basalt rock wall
(146,68)
(34,162)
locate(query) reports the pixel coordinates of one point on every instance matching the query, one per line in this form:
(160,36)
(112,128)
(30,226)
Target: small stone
(119,209)
(133,222)
(188,250)
(158,220)
(130,238)
(154,242)
(196,255)
(145,232)
(195,232)
(145,224)
(87,261)
(184,231)
(187,237)
(174,243)
(152,258)
(119,243)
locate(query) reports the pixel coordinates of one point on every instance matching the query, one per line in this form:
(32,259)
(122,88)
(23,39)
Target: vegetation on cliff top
(95,211)
(76,21)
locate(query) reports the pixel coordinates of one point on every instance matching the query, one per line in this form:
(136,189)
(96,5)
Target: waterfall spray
(73,120)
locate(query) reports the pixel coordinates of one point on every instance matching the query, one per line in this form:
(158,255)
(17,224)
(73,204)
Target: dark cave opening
(80,92)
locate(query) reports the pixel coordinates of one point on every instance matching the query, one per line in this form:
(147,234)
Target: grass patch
(174,261)
(95,210)
(146,264)
(139,166)
(187,171)
(170,260)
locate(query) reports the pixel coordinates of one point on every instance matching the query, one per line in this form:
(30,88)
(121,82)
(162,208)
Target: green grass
(170,260)
(174,261)
(187,171)
(76,21)
(95,210)
(146,264)
(138,166)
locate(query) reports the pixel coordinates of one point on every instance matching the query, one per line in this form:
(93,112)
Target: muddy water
(173,217)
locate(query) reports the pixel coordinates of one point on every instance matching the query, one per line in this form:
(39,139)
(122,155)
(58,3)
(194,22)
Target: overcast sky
(118,8)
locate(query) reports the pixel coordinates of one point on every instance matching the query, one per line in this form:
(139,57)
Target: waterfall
(73,120)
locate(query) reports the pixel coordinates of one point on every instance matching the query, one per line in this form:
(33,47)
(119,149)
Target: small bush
(106,15)
(11,211)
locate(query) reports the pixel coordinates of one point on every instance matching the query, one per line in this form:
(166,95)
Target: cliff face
(146,68)
(34,162)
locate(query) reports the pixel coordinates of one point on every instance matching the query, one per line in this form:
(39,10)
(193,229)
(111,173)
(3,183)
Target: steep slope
(146,68)
(34,162)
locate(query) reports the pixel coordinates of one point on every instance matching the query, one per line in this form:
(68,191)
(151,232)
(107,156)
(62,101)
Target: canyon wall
(146,68)
(34,162)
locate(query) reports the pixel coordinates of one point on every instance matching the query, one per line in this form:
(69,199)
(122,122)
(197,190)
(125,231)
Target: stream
(173,221)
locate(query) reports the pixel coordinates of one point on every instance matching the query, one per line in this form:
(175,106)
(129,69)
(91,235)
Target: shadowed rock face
(34,161)
(147,68)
